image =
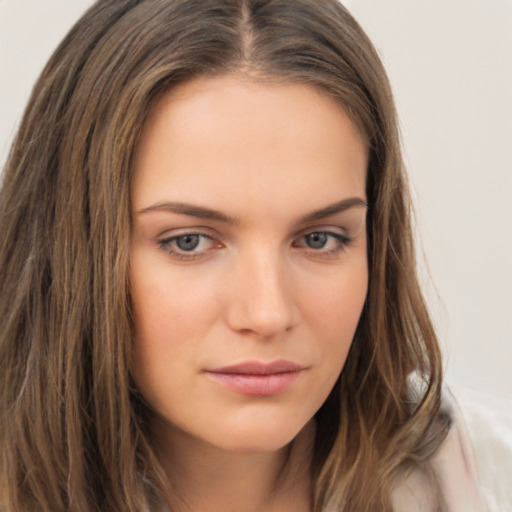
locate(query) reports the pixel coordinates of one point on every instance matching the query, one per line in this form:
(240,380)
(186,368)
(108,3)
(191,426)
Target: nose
(262,300)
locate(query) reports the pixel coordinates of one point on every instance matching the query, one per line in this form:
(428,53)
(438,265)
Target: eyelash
(166,245)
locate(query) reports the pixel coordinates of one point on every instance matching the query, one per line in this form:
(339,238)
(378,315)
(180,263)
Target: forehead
(241,143)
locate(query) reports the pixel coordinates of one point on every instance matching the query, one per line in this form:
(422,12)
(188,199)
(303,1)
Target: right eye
(187,242)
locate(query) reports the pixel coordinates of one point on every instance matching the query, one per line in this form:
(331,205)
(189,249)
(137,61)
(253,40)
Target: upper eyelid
(169,234)
(334,230)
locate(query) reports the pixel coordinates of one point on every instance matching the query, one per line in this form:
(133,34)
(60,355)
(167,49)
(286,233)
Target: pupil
(316,240)
(187,242)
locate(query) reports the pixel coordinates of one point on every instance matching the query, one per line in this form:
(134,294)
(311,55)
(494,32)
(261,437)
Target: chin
(253,429)
(263,438)
(255,445)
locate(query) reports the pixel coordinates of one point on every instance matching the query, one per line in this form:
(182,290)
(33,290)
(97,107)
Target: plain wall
(450,64)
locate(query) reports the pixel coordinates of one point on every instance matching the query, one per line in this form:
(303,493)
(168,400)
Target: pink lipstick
(256,378)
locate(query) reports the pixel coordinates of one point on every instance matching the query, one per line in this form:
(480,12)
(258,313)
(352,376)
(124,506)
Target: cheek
(170,305)
(171,317)
(337,305)
(171,313)
(333,315)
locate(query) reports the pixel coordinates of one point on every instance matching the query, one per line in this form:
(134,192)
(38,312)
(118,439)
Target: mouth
(254,378)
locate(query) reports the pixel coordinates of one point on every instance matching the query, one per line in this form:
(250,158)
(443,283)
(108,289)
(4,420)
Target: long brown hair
(72,430)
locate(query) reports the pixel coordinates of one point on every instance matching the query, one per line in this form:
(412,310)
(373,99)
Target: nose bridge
(262,301)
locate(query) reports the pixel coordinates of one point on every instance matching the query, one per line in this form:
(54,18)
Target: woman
(209,298)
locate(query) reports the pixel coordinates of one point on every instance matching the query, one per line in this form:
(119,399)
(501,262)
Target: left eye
(316,240)
(325,241)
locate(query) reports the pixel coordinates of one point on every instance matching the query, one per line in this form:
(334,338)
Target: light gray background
(450,63)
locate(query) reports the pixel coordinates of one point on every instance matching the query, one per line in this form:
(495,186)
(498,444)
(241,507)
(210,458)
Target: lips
(256,378)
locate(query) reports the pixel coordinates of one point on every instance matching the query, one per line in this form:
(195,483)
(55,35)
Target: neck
(205,478)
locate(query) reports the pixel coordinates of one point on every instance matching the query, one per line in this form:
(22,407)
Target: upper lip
(259,368)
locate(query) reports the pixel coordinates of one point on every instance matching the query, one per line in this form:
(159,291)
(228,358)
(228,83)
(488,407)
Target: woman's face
(248,258)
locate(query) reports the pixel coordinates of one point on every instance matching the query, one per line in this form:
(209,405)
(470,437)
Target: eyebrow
(208,213)
(190,210)
(333,209)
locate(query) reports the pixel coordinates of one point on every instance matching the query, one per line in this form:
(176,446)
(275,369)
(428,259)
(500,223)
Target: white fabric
(489,423)
(473,467)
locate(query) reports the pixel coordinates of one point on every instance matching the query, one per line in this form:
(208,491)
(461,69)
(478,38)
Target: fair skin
(248,274)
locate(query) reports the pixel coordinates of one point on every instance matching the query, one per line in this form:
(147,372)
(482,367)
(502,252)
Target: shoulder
(488,421)
(467,472)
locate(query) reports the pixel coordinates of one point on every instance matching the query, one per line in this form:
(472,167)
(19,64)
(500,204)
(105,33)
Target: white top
(473,466)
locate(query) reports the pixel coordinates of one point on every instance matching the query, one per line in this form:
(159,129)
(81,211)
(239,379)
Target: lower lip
(256,385)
